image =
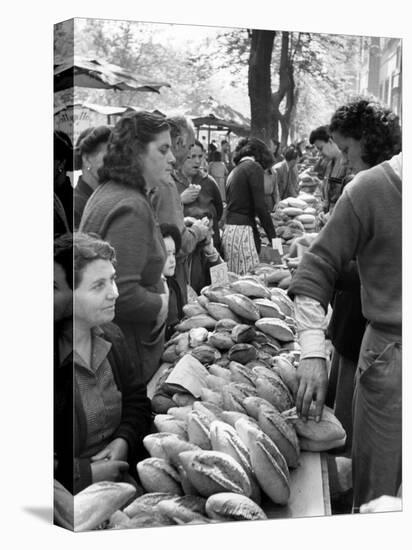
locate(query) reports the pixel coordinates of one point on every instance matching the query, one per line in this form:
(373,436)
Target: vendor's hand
(385,503)
(108,470)
(313,380)
(189,195)
(115,450)
(305,240)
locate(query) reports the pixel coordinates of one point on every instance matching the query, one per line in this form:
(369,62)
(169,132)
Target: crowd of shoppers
(154,210)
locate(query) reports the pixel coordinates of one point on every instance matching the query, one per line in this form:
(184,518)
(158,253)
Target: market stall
(94,73)
(212,117)
(228,444)
(76,117)
(82,72)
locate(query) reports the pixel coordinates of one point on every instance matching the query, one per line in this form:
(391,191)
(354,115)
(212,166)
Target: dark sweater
(366,224)
(69,415)
(64,191)
(60,223)
(246,199)
(82,193)
(208,200)
(123,216)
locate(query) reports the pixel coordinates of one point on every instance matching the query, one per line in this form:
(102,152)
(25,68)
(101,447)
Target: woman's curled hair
(254,147)
(374,125)
(89,141)
(129,139)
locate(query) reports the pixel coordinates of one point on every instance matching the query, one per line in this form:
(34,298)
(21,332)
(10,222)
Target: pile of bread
(219,455)
(295,216)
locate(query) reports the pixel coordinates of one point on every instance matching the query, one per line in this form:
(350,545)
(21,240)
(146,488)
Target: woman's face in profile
(96,294)
(157,161)
(352,151)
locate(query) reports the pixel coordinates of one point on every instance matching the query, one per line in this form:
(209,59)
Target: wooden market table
(309,490)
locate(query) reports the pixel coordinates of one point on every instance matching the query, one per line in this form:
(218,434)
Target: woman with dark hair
(367,133)
(246,201)
(366,226)
(101,410)
(138,156)
(90,149)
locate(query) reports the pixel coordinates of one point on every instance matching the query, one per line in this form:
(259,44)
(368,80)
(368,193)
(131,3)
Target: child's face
(170,263)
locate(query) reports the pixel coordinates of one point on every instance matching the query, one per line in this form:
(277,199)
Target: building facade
(381,70)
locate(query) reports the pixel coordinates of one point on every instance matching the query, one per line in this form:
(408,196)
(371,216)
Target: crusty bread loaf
(232,507)
(63,506)
(158,475)
(98,501)
(214,472)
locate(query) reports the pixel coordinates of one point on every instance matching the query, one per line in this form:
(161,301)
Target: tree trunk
(293,121)
(286,90)
(285,125)
(259,83)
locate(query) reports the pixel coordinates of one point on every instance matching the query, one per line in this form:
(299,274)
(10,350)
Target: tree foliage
(327,63)
(309,74)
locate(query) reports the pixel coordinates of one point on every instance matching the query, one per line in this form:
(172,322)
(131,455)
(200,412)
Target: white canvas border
(27,228)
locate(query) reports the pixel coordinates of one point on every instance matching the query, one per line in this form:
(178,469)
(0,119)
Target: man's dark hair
(199,144)
(216,156)
(291,153)
(321,133)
